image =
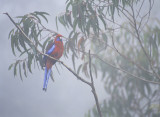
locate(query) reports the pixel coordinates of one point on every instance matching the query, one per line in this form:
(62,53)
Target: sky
(66,97)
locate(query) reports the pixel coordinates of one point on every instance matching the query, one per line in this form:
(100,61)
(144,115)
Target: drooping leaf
(9,68)
(24,68)
(52,76)
(15,68)
(73,61)
(79,68)
(29,62)
(20,72)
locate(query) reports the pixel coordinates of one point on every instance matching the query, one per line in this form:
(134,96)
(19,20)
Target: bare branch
(93,88)
(120,69)
(140,42)
(124,56)
(140,8)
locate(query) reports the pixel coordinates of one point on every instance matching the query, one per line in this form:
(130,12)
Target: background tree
(124,53)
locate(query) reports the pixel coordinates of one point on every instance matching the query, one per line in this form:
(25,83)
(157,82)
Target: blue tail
(46,78)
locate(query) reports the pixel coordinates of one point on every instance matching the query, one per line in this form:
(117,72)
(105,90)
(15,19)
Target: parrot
(54,49)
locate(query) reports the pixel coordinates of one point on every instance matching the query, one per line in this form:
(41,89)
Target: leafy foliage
(117,56)
(129,96)
(27,49)
(117,50)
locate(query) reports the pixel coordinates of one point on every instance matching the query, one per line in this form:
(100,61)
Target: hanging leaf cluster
(26,46)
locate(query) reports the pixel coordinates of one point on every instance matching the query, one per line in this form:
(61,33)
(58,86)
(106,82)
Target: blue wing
(50,49)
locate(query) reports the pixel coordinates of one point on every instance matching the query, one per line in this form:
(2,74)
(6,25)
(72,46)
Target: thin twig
(140,42)
(151,6)
(124,56)
(140,8)
(120,69)
(93,88)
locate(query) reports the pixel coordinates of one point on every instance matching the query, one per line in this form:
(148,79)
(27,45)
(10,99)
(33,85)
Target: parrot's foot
(44,89)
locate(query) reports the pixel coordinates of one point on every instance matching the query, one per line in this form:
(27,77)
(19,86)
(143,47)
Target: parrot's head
(58,37)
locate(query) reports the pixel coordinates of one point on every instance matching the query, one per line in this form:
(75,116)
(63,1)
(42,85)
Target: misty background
(67,96)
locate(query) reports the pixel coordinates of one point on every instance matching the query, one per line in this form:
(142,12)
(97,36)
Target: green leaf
(95,69)
(34,49)
(24,52)
(69,4)
(44,17)
(35,15)
(9,68)
(103,21)
(24,68)
(23,18)
(79,68)
(39,33)
(23,45)
(26,25)
(112,9)
(15,68)
(17,43)
(75,22)
(44,44)
(10,33)
(115,3)
(52,76)
(30,58)
(91,9)
(74,10)
(20,72)
(73,61)
(61,20)
(41,61)
(85,69)
(68,18)
(65,50)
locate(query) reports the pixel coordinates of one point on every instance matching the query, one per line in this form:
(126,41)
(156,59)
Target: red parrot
(54,49)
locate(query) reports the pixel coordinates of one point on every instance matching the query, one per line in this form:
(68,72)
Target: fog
(66,97)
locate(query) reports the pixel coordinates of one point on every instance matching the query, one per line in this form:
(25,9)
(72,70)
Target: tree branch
(125,57)
(140,42)
(78,77)
(120,69)
(18,27)
(93,88)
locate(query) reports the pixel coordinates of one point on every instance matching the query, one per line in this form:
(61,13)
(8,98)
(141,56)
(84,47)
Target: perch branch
(19,28)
